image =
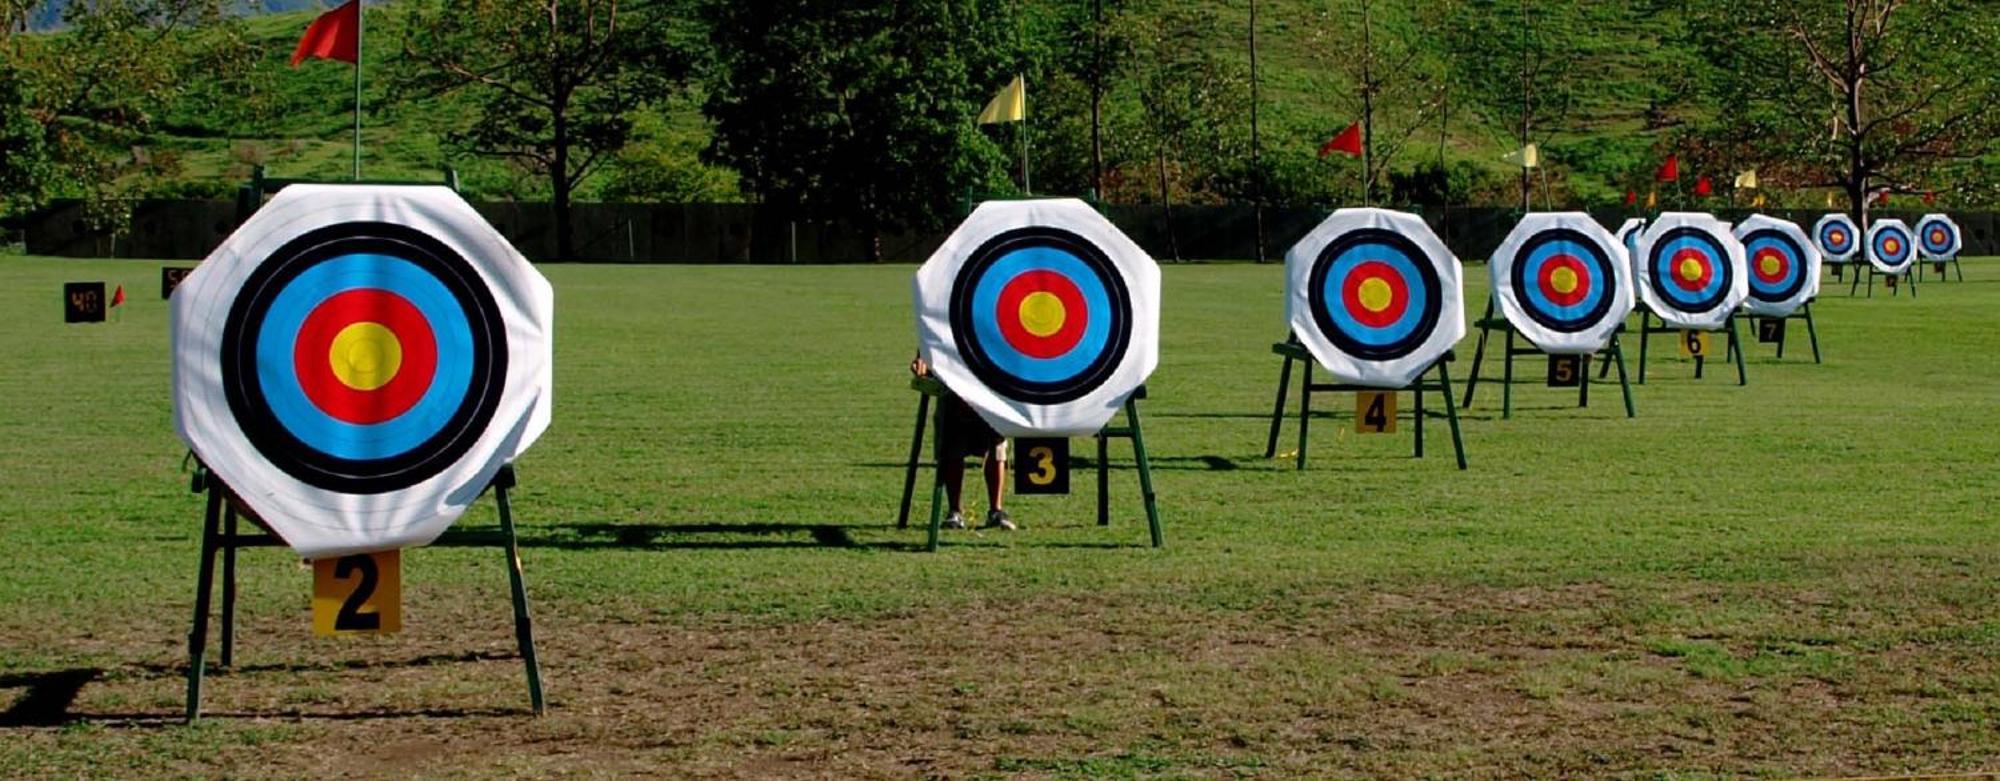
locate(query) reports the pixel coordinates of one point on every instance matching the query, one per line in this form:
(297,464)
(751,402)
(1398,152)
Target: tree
(75,106)
(1193,103)
(557,81)
(1515,61)
(859,111)
(1867,96)
(1388,70)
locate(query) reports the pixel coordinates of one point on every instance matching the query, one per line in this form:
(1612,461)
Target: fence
(748,233)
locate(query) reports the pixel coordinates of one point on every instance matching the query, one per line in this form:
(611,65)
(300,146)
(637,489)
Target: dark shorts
(963,434)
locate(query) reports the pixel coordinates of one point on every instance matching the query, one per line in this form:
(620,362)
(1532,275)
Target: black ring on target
(1091,281)
(1526,291)
(1405,253)
(1697,292)
(477,366)
(1794,278)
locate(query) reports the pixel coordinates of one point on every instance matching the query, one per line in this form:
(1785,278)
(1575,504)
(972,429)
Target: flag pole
(360,29)
(1027,187)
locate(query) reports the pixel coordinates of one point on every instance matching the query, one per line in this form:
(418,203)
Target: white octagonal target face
(1783,265)
(356,362)
(1562,281)
(1891,248)
(1375,296)
(1938,238)
(1838,238)
(1041,315)
(1691,272)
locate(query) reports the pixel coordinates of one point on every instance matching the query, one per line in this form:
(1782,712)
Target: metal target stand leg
(1489,323)
(1291,350)
(928,387)
(220,536)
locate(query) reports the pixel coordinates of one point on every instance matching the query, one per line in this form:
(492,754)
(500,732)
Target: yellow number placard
(1375,412)
(1694,344)
(358,594)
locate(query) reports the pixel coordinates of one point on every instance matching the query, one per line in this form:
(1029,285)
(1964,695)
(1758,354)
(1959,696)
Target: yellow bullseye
(365,356)
(1769,265)
(1375,294)
(1042,313)
(1892,246)
(1563,280)
(1690,269)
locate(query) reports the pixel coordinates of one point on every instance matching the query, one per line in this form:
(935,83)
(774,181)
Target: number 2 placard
(358,594)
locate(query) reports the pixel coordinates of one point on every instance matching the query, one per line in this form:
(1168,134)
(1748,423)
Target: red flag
(335,35)
(1670,170)
(1930,197)
(1631,197)
(1703,188)
(118,296)
(1348,142)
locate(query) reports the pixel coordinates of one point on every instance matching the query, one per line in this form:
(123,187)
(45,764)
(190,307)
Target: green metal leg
(1278,408)
(1478,356)
(937,481)
(228,627)
(1417,391)
(1103,480)
(1618,354)
(524,626)
(1958,268)
(198,633)
(1811,333)
(1855,284)
(1645,342)
(1507,381)
(1736,346)
(1145,473)
(1451,412)
(1305,412)
(1583,382)
(916,453)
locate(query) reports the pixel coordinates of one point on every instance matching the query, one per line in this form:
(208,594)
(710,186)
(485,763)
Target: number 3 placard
(1041,465)
(359,594)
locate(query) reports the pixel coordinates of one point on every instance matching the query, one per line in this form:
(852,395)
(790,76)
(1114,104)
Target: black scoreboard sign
(83,302)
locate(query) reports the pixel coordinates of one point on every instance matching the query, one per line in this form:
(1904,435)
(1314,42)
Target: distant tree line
(863,111)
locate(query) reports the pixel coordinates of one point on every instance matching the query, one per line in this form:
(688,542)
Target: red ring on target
(1705,269)
(1391,310)
(1075,314)
(312,356)
(1578,273)
(1782,265)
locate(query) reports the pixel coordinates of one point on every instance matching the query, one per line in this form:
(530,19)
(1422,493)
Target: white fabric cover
(1732,290)
(1957,237)
(1853,252)
(1581,337)
(933,290)
(1808,265)
(1395,372)
(314,521)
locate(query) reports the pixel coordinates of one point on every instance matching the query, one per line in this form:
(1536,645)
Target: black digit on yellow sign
(1375,412)
(358,594)
(1694,344)
(350,618)
(1041,465)
(1565,370)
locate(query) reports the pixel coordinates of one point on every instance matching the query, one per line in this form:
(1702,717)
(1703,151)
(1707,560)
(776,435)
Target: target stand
(1489,323)
(1909,278)
(929,387)
(220,536)
(1804,312)
(1646,331)
(1292,350)
(1939,267)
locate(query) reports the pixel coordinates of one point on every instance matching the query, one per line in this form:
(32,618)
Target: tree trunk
(1167,201)
(1097,100)
(560,182)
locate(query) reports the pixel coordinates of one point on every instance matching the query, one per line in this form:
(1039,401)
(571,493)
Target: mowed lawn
(1798,577)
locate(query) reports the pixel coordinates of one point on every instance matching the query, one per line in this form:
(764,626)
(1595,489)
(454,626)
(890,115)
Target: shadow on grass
(49,695)
(690,536)
(1081,463)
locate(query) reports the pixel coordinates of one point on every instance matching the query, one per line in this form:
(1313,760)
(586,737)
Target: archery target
(1041,315)
(356,362)
(1838,238)
(1691,270)
(1375,296)
(1938,237)
(1891,248)
(1783,265)
(1561,281)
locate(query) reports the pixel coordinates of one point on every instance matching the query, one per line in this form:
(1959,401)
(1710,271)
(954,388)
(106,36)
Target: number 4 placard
(1375,412)
(358,594)
(1041,465)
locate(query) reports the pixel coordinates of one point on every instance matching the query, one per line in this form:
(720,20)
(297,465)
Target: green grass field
(1790,578)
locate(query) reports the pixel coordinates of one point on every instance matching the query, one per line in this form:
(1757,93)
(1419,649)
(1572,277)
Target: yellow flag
(1829,199)
(1747,180)
(1652,198)
(1759,203)
(1009,105)
(1526,157)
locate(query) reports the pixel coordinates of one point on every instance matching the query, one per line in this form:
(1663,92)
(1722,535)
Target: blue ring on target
(279,418)
(278,337)
(1422,291)
(1826,238)
(1537,252)
(1794,279)
(978,330)
(1926,227)
(1906,247)
(1661,261)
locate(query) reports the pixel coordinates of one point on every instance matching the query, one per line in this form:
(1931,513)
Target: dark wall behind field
(746,233)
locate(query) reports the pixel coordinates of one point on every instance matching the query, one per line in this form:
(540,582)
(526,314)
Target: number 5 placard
(1041,465)
(359,594)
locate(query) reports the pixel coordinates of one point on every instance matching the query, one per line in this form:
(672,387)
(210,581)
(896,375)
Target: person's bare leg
(996,481)
(953,472)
